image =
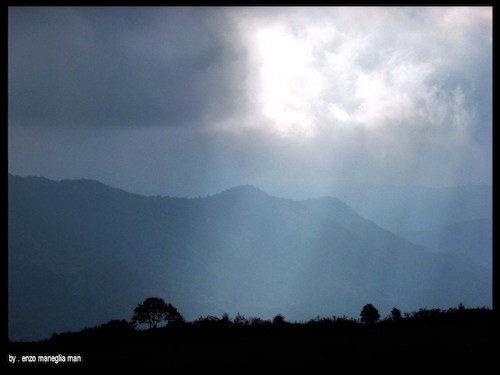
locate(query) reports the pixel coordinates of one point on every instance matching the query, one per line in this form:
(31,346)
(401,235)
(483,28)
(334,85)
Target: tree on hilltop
(369,314)
(155,310)
(395,314)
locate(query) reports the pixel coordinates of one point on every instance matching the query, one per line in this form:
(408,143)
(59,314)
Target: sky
(297,101)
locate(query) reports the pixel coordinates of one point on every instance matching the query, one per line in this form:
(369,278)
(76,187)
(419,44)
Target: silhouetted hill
(81,253)
(426,336)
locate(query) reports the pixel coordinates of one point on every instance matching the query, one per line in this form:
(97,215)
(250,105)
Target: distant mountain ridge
(472,238)
(82,253)
(413,208)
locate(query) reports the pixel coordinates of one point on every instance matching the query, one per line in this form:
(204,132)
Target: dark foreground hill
(81,253)
(427,336)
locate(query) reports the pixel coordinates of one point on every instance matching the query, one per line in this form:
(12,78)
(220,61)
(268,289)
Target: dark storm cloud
(118,66)
(190,101)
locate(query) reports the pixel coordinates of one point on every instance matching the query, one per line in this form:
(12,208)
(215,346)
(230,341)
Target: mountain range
(81,253)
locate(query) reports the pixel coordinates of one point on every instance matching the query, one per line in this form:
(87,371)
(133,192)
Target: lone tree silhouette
(369,314)
(279,320)
(155,310)
(395,314)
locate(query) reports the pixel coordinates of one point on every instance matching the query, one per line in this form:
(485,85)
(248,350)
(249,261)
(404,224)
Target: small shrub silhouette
(240,320)
(279,320)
